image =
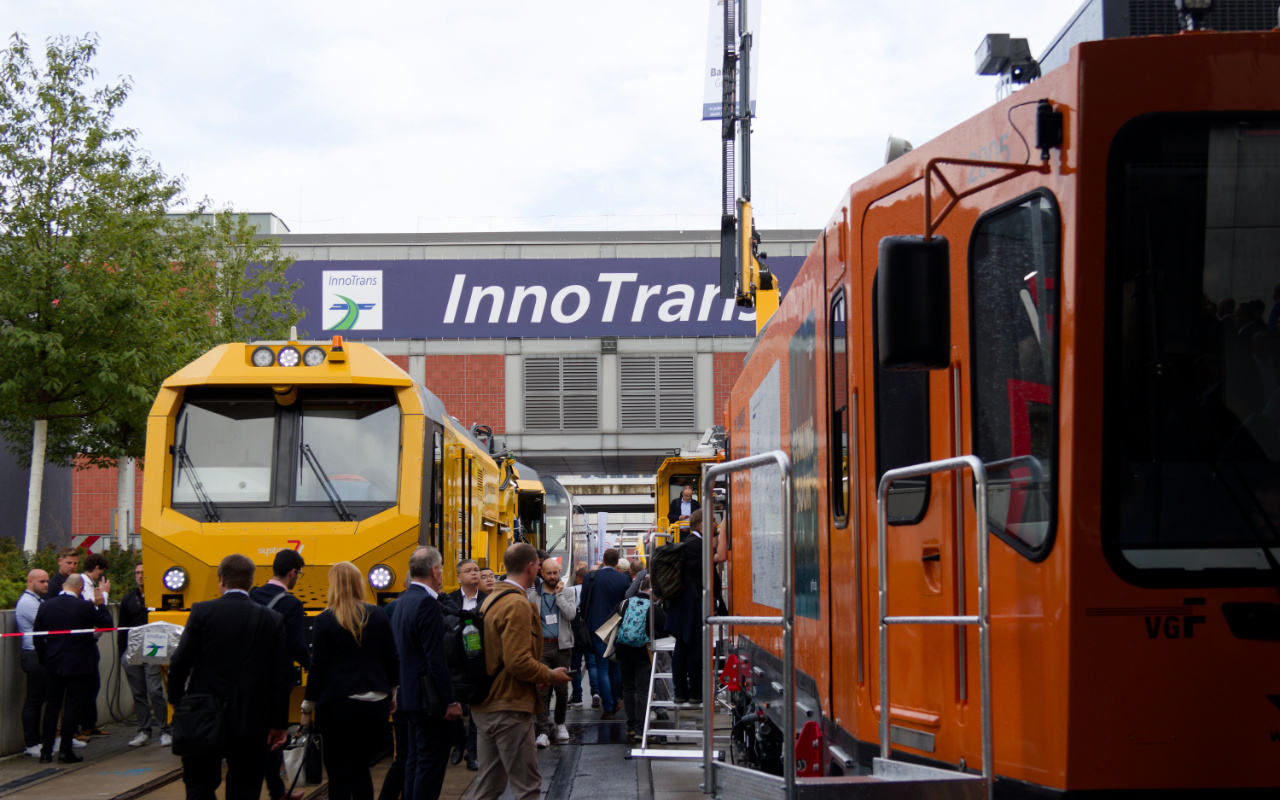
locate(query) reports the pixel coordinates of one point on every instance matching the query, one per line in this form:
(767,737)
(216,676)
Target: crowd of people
(365,664)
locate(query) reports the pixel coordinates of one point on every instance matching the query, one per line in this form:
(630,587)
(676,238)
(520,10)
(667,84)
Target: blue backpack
(633,631)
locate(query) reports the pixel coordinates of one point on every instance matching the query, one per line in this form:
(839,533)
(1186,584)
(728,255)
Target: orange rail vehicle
(1094,312)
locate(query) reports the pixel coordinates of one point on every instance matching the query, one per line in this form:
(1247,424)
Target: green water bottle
(471,639)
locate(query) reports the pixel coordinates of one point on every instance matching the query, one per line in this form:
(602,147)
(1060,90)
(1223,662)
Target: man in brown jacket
(505,720)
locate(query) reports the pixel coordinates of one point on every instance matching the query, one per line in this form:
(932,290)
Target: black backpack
(471,681)
(666,571)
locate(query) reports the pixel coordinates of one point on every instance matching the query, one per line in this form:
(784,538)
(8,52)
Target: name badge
(552,619)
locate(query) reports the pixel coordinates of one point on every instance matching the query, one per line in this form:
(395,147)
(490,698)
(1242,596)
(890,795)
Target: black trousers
(634,662)
(393,783)
(686,669)
(349,738)
(271,767)
(36,689)
(89,712)
(464,733)
(60,689)
(426,757)
(245,757)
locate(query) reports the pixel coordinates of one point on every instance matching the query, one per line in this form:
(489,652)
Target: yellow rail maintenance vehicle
(676,473)
(327,448)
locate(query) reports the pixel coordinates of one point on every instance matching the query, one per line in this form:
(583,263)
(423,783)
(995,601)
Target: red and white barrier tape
(59,633)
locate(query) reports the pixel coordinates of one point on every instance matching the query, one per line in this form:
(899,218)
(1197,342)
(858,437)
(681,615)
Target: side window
(838,403)
(902,433)
(1013,280)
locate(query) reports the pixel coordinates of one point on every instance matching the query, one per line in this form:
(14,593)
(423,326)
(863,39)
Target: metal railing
(786,621)
(982,619)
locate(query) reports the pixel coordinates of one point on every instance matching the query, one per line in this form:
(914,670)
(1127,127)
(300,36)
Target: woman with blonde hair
(352,683)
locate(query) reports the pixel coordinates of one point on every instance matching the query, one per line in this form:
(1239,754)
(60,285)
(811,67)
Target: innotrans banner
(524,298)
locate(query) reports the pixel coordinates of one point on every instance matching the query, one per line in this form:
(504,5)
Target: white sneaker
(143,738)
(562,734)
(76,744)
(33,751)
(166,740)
(542,740)
(595,701)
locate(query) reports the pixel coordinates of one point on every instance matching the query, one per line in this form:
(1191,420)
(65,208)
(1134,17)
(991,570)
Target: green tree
(102,292)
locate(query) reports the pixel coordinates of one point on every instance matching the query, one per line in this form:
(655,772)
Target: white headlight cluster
(175,579)
(288,356)
(381,577)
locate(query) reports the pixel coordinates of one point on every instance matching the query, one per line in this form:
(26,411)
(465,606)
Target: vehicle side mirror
(913,303)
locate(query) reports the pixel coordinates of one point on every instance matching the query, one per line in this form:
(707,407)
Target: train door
(910,421)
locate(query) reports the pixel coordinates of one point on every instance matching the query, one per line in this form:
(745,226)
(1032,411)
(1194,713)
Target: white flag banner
(713,93)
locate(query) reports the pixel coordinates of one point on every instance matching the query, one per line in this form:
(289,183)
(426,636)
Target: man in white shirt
(468,595)
(28,605)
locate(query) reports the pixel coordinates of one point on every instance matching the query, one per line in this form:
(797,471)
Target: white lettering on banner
(495,293)
(615,281)
(557,304)
(679,309)
(642,297)
(539,295)
(709,294)
(571,303)
(455,294)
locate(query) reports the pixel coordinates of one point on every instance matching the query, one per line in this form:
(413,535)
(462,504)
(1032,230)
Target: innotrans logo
(352,300)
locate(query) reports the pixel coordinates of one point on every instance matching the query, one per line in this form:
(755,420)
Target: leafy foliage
(103,294)
(15,564)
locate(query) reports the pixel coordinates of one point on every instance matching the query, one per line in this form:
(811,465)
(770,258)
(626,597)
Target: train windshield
(1192,427)
(241,456)
(348,446)
(223,449)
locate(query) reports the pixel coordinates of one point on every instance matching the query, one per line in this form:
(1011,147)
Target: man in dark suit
(604,588)
(684,619)
(683,506)
(234,649)
(286,569)
(426,691)
(468,597)
(70,662)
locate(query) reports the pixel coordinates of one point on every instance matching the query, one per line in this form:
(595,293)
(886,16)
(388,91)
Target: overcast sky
(507,115)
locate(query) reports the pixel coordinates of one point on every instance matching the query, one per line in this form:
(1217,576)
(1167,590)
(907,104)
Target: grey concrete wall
(55,503)
(112,704)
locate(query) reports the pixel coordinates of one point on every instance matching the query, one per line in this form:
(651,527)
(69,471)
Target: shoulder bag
(198,719)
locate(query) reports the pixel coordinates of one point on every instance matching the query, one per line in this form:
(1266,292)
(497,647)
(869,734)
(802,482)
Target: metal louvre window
(657,393)
(562,393)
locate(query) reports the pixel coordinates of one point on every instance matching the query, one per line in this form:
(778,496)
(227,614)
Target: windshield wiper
(193,477)
(326,484)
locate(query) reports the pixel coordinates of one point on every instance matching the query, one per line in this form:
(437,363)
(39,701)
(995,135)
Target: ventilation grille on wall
(657,393)
(1159,17)
(562,393)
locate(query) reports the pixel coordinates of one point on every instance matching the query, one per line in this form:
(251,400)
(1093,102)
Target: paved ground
(593,766)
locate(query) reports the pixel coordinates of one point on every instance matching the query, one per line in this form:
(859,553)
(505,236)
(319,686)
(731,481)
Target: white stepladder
(889,778)
(675,732)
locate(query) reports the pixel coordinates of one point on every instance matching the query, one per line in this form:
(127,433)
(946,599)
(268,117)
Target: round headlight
(175,579)
(313,357)
(381,577)
(289,357)
(264,357)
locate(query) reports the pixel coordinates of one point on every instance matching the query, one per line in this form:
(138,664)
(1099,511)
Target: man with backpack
(275,594)
(631,649)
(512,644)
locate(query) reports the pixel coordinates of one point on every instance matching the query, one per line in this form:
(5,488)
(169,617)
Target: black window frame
(840,473)
(1042,551)
(1112,467)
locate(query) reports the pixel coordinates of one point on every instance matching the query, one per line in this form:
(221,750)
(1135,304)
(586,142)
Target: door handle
(931,557)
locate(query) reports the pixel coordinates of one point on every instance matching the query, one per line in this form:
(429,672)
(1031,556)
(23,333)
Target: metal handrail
(982,619)
(787,619)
